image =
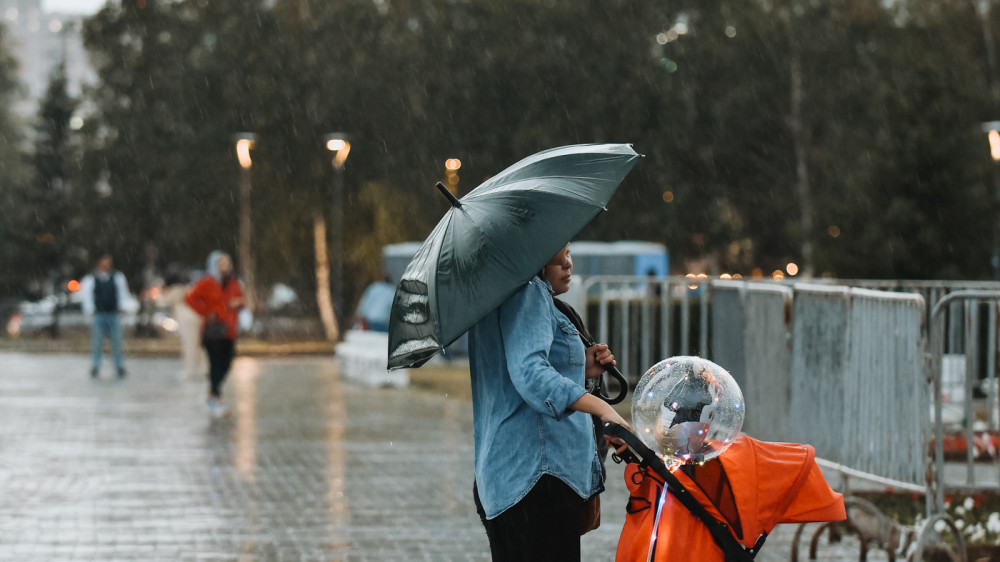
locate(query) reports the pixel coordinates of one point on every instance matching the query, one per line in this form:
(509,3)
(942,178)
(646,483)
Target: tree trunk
(800,146)
(323,299)
(247,266)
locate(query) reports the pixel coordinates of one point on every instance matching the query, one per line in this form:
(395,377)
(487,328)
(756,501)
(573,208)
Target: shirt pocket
(574,346)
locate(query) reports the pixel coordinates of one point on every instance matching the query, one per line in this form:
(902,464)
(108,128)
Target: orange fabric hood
(771,483)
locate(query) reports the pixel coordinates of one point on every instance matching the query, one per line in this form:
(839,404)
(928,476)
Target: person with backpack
(218,299)
(104,292)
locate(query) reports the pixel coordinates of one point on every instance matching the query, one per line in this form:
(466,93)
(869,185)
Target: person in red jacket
(217,298)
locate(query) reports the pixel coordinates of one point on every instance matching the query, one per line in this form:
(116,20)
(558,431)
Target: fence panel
(819,358)
(728,326)
(646,319)
(886,402)
(767,339)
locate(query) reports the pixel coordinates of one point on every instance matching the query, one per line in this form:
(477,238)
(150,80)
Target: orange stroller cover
(769,483)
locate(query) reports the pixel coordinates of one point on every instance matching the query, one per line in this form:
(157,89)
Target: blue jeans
(106,325)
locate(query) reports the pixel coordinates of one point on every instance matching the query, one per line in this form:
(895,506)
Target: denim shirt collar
(545,283)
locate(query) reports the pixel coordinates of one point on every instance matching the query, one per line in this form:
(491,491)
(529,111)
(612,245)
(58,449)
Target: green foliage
(892,101)
(16,208)
(52,239)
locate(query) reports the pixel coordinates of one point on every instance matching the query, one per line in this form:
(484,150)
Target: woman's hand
(609,414)
(595,406)
(612,415)
(598,355)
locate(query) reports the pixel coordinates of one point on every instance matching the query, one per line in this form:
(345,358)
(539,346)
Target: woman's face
(225,264)
(559,271)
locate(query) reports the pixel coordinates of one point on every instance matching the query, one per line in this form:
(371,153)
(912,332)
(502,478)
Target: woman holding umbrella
(536,459)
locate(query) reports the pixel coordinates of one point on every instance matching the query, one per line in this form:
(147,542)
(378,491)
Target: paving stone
(307,467)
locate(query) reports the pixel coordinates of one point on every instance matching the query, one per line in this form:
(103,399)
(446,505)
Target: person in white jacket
(188,328)
(104,292)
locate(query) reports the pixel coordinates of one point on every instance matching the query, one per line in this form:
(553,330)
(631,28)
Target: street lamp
(451,167)
(992,130)
(245,142)
(339,144)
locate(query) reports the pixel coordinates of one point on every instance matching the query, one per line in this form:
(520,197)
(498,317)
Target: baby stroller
(721,510)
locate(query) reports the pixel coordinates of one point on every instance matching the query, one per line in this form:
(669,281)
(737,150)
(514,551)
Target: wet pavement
(306,467)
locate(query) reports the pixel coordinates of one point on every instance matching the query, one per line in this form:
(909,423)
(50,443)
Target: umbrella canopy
(494,240)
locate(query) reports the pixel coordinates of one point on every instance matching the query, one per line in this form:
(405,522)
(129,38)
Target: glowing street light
(243,147)
(244,143)
(451,167)
(339,144)
(992,130)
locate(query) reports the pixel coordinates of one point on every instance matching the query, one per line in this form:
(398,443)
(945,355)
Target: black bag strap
(642,455)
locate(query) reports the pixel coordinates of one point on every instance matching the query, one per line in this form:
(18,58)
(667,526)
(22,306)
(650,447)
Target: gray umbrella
(494,240)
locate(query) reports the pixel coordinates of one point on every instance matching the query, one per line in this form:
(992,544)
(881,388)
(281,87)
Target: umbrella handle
(622,384)
(611,370)
(451,196)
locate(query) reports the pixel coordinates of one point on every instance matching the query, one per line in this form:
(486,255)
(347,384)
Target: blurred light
(777,275)
(757,273)
(725,276)
(737,276)
(792,268)
(12,14)
(730,31)
(833,230)
(14,325)
(73,286)
(681,28)
(452,164)
(691,278)
(662,38)
(169,324)
(994,137)
(76,123)
(55,26)
(702,276)
(243,147)
(340,146)
(154,293)
(668,64)
(668,196)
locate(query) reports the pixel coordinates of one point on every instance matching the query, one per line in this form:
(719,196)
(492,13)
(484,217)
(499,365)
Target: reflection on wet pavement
(306,467)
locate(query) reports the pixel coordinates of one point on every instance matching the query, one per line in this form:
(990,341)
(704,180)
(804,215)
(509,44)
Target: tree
(16,210)
(55,162)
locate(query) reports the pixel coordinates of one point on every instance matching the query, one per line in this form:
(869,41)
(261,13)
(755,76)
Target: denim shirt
(527,364)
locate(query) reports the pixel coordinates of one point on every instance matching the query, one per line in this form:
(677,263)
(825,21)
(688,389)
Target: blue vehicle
(373,309)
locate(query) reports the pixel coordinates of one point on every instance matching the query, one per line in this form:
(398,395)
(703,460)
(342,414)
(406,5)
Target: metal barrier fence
(645,319)
(844,369)
(886,425)
(751,335)
(959,386)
